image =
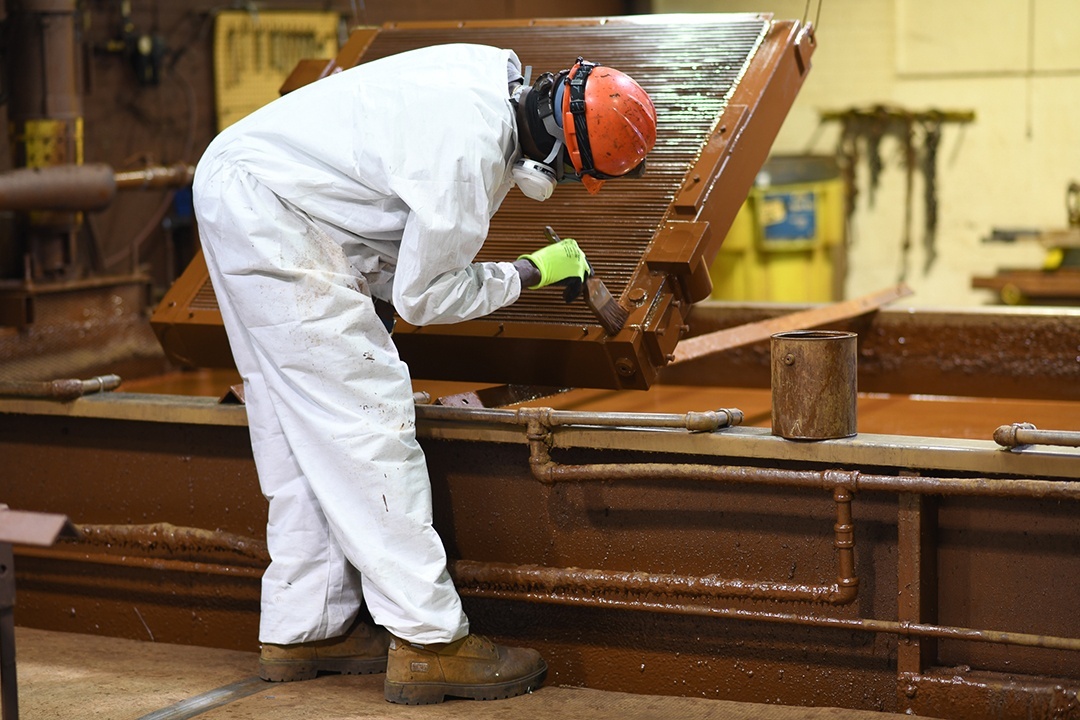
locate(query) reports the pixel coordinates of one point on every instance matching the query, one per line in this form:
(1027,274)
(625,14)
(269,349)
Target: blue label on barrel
(789,215)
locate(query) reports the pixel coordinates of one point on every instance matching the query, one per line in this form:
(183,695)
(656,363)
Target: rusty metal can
(814,384)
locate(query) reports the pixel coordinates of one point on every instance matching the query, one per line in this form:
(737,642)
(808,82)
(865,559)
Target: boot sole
(432,693)
(290,671)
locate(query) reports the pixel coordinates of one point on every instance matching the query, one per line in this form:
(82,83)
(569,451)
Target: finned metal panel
(722,85)
(688,69)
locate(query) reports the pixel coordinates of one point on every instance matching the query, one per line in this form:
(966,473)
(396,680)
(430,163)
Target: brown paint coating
(953,692)
(490,510)
(78,328)
(1026,353)
(588,586)
(719,341)
(814,384)
(654,237)
(641,515)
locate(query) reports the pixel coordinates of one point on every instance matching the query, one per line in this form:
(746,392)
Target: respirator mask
(537,178)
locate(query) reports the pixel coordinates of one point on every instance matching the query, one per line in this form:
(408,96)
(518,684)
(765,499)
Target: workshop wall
(162,110)
(1014,64)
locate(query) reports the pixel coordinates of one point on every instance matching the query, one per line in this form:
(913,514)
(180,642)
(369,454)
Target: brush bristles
(605,307)
(612,317)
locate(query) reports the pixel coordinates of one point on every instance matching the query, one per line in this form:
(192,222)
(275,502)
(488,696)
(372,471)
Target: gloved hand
(560,263)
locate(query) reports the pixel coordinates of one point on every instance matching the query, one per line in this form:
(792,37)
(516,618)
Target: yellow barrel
(787,241)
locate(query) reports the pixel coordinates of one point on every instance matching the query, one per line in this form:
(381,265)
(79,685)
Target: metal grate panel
(722,85)
(688,68)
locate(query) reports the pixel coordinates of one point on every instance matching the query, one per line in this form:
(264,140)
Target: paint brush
(604,306)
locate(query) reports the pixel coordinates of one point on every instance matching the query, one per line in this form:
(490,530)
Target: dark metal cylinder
(814,384)
(61,187)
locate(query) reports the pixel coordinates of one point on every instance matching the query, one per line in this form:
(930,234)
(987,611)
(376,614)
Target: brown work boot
(360,651)
(472,667)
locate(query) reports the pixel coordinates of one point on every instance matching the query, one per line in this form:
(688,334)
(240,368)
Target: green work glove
(561,263)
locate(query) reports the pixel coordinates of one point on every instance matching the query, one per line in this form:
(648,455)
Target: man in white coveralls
(374,187)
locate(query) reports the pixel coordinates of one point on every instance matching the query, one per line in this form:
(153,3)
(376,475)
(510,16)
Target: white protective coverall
(378,181)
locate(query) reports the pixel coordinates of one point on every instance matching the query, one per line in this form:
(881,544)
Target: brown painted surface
(987,563)
(80,329)
(651,239)
(929,415)
(814,384)
(1031,353)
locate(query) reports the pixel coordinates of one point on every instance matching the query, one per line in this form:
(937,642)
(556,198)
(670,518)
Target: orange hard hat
(609,123)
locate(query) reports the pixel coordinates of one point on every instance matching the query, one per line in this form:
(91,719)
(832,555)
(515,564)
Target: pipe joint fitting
(712,420)
(843,483)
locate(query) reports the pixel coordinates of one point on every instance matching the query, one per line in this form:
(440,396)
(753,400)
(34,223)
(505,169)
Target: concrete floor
(69,676)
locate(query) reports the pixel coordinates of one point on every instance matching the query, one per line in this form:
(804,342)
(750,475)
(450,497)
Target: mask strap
(555,150)
(545,105)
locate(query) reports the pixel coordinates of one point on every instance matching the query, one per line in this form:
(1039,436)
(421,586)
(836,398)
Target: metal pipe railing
(160,176)
(902,629)
(551,580)
(539,423)
(466,572)
(63,390)
(147,563)
(605,588)
(547,471)
(708,421)
(842,483)
(1019,434)
(176,541)
(194,550)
